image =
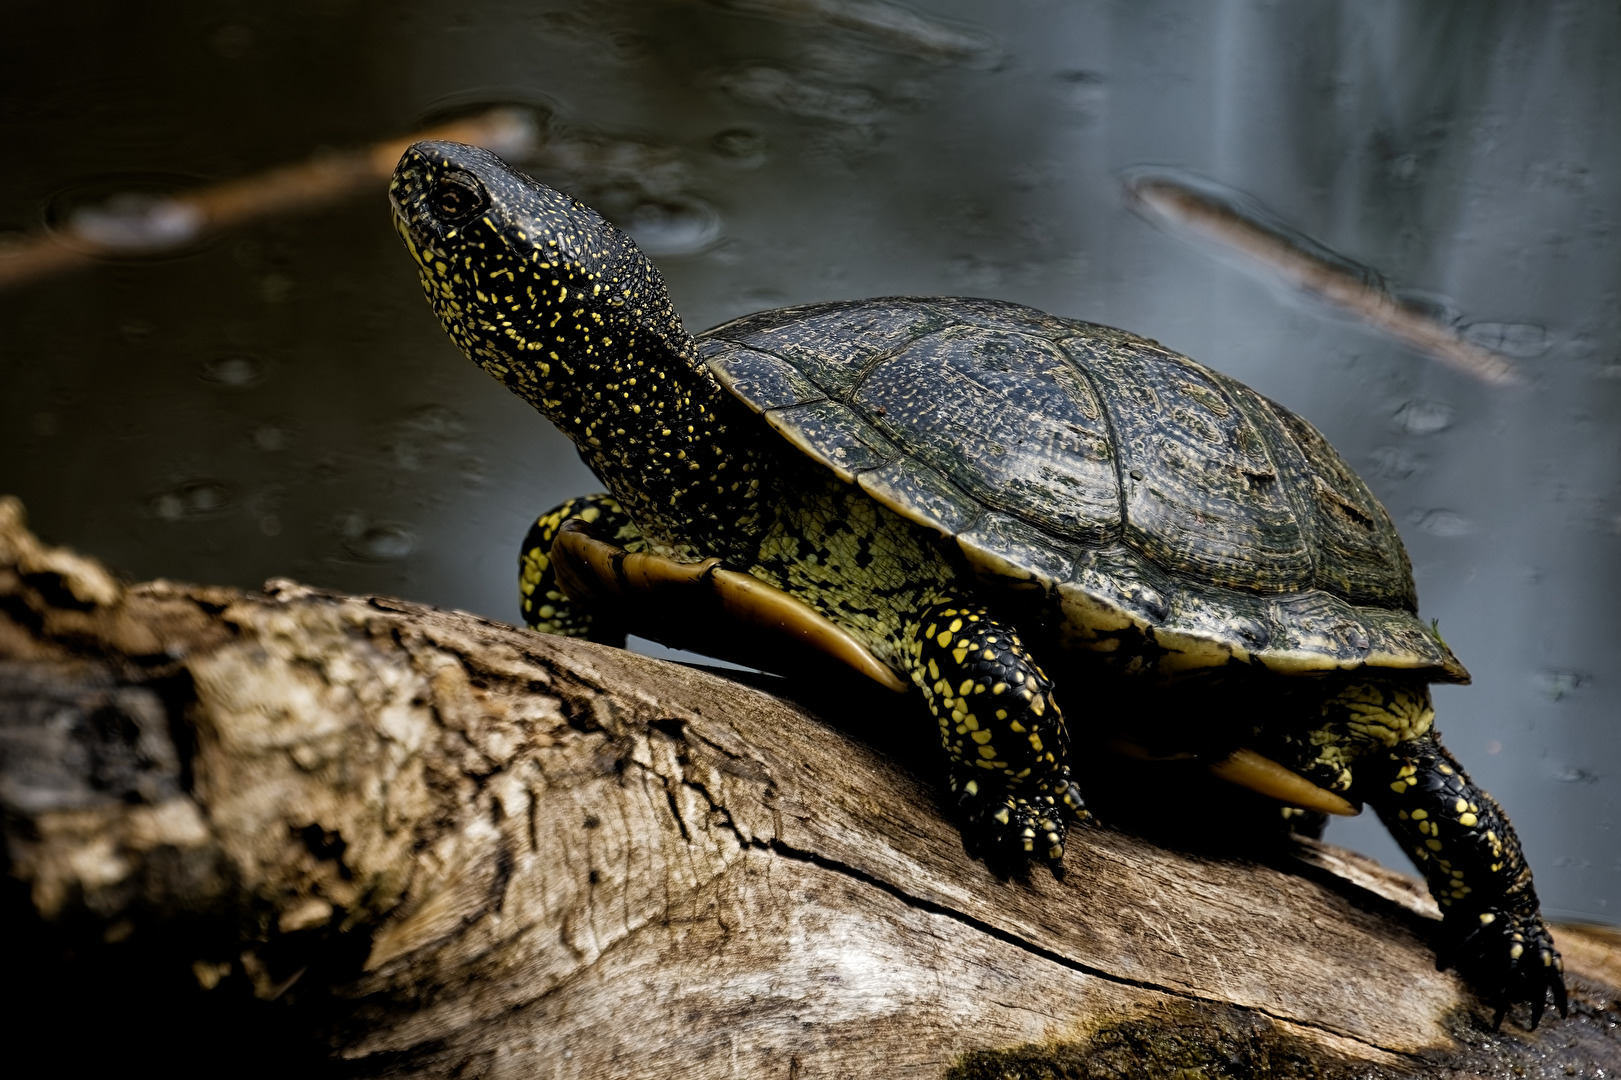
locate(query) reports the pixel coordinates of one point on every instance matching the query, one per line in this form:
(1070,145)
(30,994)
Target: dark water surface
(278,399)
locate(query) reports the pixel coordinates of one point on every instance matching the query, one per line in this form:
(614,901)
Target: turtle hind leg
(545,606)
(1463,842)
(1002,732)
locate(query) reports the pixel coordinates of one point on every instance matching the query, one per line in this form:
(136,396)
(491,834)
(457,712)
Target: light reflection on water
(280,401)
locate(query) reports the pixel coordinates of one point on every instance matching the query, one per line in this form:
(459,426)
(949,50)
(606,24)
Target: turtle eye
(457,197)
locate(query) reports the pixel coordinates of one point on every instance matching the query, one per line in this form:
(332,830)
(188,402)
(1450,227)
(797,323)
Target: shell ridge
(1195,478)
(878,356)
(1107,404)
(1109,426)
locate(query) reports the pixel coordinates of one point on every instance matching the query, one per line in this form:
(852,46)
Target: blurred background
(274,397)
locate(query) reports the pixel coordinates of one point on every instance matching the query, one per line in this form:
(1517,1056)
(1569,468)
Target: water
(275,399)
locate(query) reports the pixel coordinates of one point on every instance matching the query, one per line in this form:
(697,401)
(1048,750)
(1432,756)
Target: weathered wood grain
(452,847)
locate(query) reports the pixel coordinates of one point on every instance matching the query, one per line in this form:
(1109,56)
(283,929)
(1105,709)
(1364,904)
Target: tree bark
(360,836)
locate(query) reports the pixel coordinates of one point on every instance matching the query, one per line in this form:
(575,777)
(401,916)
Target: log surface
(447,846)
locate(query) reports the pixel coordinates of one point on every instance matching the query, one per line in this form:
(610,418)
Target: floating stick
(1164,197)
(167,222)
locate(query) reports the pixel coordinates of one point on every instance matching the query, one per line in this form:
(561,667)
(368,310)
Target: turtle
(954,496)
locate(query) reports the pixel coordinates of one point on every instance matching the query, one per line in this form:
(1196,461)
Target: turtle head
(535,287)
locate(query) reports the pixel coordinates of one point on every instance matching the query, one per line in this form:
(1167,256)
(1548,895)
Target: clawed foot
(1006,827)
(1510,957)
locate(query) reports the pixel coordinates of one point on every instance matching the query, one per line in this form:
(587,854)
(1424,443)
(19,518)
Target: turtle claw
(1511,958)
(1008,829)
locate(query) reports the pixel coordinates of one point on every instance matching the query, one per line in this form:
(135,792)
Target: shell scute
(1003,415)
(831,344)
(919,493)
(1122,579)
(1210,615)
(998,315)
(763,381)
(834,433)
(1012,553)
(1317,625)
(1201,491)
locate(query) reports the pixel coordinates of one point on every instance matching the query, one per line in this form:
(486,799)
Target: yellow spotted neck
(548,297)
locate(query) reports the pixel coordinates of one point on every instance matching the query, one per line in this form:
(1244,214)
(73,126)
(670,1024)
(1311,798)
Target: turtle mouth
(413,236)
(420,242)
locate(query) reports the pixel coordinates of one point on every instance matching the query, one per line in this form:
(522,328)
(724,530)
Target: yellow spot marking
(944,639)
(1468,819)
(1433,844)
(981,737)
(987,752)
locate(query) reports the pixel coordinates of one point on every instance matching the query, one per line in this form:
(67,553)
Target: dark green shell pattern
(1148,494)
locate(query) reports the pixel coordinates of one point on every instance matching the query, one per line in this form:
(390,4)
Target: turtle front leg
(545,606)
(1463,842)
(1002,731)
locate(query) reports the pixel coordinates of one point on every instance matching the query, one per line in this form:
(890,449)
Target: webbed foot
(1511,958)
(545,606)
(1469,854)
(1008,828)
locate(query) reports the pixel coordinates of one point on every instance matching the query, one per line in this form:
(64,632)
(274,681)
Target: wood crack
(461,834)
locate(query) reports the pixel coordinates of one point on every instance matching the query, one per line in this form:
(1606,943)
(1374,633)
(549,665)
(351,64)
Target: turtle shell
(1160,505)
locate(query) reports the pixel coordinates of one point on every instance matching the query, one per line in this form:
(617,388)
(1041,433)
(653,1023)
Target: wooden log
(357,835)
